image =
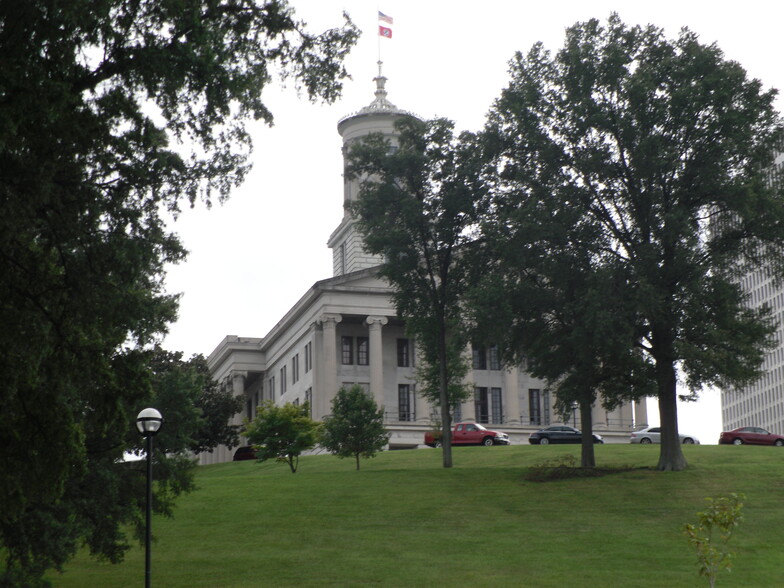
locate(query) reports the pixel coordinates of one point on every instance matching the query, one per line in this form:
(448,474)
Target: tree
(52,531)
(195,408)
(282,432)
(711,537)
(356,426)
(417,207)
(550,301)
(655,142)
(114,115)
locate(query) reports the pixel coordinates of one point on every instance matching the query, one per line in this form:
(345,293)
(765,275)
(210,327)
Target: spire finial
(381,102)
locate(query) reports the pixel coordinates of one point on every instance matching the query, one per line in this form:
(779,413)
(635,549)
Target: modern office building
(344,330)
(762,404)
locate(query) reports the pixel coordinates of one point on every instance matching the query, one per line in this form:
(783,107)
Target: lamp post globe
(148,422)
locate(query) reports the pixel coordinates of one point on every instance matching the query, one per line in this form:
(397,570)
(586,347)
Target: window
(347,350)
(495,360)
(309,399)
(457,416)
(362,351)
(403,355)
(481,405)
(271,383)
(479,357)
(404,403)
(534,406)
(295,369)
(496,406)
(342,260)
(308,356)
(283,381)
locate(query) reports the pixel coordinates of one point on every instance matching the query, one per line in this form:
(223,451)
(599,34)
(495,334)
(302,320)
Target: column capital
(329,318)
(379,321)
(238,374)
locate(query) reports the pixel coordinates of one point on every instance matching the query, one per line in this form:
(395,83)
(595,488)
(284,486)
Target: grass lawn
(405,521)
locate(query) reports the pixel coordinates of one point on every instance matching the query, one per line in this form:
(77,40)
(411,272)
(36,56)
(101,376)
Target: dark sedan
(244,453)
(559,434)
(751,436)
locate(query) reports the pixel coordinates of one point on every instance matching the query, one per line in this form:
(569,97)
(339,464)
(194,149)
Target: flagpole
(387,32)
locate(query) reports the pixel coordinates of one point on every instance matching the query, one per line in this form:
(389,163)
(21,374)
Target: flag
(385,32)
(384,18)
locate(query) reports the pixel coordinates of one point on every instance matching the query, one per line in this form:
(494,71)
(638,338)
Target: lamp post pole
(148,526)
(148,423)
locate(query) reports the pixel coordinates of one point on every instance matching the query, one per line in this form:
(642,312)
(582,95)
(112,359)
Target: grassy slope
(405,521)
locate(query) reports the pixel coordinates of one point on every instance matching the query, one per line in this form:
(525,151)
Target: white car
(653,435)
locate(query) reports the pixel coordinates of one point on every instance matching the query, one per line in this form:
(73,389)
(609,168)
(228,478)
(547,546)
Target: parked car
(559,434)
(245,452)
(469,434)
(751,436)
(653,435)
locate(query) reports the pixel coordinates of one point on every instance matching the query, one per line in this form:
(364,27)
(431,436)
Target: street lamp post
(148,422)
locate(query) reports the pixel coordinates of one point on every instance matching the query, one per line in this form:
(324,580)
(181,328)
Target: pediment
(362,280)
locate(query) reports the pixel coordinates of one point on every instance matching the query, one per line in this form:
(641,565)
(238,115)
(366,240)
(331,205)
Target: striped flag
(385,32)
(384,18)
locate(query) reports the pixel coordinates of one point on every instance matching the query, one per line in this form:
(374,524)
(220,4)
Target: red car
(469,434)
(751,436)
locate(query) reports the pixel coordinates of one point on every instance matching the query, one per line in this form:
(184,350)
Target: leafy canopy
(662,148)
(417,208)
(282,432)
(355,428)
(114,114)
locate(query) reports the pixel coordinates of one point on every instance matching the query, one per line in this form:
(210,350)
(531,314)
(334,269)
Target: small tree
(282,432)
(356,426)
(722,515)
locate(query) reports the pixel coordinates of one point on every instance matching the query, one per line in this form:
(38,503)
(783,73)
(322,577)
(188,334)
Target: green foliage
(83,514)
(651,157)
(711,536)
(356,426)
(197,411)
(282,433)
(115,114)
(418,208)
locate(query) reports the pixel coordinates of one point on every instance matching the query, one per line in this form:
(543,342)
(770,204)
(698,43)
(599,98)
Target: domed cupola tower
(348,252)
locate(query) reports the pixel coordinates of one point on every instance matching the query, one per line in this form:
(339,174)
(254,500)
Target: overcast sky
(252,258)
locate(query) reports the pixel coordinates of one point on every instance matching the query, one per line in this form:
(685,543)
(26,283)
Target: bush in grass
(711,536)
(356,426)
(565,466)
(282,432)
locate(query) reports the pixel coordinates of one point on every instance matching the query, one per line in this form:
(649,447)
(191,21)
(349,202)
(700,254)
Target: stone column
(511,395)
(327,360)
(237,379)
(375,343)
(640,413)
(468,408)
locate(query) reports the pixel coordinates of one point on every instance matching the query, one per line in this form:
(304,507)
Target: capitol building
(344,330)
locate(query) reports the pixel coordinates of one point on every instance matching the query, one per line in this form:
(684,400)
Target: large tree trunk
(671,457)
(588,459)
